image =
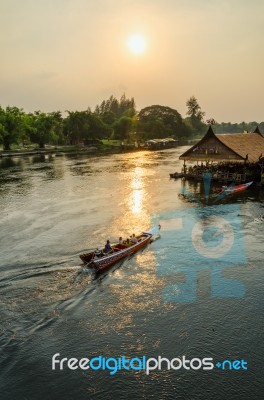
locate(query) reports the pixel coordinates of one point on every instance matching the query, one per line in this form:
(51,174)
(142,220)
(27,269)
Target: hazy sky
(71,54)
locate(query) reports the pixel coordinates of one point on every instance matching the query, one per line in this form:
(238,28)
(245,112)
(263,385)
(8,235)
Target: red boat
(234,189)
(100,261)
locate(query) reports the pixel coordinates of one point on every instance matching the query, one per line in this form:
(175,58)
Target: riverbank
(59,151)
(106,147)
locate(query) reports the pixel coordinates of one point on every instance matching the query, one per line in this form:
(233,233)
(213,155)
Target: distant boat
(177,175)
(160,144)
(100,261)
(234,189)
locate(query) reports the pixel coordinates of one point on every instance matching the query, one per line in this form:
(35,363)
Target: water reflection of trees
(48,165)
(81,169)
(38,158)
(12,175)
(17,174)
(9,162)
(10,171)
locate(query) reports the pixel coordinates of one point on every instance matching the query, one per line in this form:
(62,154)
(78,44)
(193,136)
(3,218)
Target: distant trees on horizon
(112,119)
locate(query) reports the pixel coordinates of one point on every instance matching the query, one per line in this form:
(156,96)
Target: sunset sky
(71,54)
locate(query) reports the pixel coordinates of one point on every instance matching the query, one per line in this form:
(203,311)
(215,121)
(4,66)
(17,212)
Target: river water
(52,209)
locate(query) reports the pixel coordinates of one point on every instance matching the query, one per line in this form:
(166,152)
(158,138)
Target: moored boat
(177,175)
(235,189)
(100,261)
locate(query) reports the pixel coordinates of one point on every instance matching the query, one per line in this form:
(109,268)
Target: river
(52,209)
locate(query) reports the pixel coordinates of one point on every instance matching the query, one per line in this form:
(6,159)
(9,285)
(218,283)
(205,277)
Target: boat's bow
(153,231)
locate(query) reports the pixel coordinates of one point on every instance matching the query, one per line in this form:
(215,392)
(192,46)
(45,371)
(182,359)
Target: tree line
(112,119)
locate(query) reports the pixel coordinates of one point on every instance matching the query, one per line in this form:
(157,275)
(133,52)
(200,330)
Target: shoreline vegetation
(115,125)
(61,150)
(104,147)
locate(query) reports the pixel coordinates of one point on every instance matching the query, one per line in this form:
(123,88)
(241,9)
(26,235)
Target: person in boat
(120,241)
(107,248)
(133,239)
(97,253)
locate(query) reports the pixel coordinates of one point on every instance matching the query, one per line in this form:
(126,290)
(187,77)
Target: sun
(136,44)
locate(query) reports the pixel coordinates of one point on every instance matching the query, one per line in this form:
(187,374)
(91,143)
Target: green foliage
(116,108)
(195,116)
(11,126)
(122,128)
(98,129)
(58,137)
(113,118)
(42,129)
(228,127)
(118,115)
(80,126)
(159,122)
(194,110)
(107,117)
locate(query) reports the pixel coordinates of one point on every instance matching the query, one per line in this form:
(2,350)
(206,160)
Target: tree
(127,107)
(122,128)
(82,126)
(159,122)
(75,126)
(11,126)
(211,121)
(195,114)
(118,108)
(97,128)
(43,128)
(194,110)
(58,136)
(108,117)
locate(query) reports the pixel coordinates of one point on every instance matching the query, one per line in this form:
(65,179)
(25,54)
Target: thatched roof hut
(238,147)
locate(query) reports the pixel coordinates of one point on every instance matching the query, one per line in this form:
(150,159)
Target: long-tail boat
(177,175)
(234,189)
(99,261)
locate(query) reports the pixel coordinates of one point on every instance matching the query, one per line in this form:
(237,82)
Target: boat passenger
(133,239)
(97,253)
(120,240)
(107,247)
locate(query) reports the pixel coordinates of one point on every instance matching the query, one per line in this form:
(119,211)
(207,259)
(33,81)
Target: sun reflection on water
(137,197)
(138,191)
(134,191)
